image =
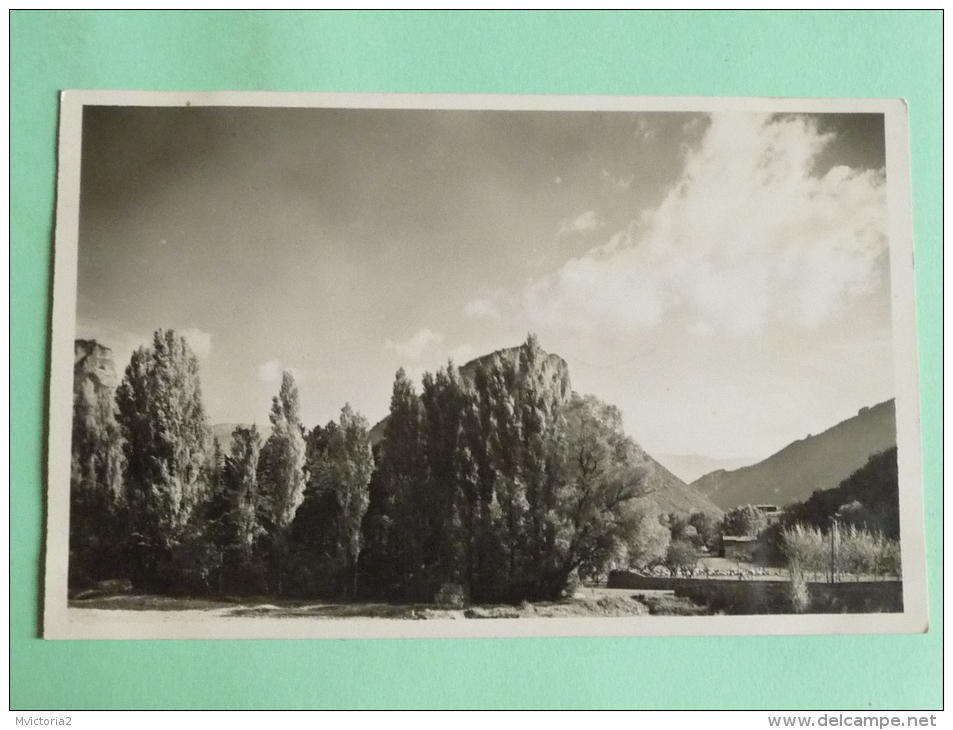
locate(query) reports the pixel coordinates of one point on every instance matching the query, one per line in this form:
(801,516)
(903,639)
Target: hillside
(817,462)
(870,497)
(689,467)
(666,491)
(669,493)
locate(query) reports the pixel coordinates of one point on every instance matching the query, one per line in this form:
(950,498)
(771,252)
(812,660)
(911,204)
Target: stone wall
(771,596)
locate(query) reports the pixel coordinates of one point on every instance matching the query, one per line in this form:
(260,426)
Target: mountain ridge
(816,462)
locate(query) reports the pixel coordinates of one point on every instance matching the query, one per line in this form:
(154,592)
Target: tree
(401,520)
(681,557)
(281,468)
(594,512)
(96,470)
(807,550)
(708,530)
(167,444)
(648,540)
(507,469)
(345,472)
(448,502)
(745,521)
(241,479)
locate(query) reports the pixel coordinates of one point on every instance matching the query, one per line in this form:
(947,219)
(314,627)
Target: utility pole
(833,563)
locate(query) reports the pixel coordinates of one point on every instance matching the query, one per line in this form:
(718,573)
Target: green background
(816,54)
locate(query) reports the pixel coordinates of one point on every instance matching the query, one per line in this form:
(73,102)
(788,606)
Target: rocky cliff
(94,370)
(554,368)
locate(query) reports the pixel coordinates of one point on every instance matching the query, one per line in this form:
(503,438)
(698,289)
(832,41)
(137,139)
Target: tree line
(853,528)
(495,484)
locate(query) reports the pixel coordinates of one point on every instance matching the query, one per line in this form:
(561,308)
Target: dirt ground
(589,602)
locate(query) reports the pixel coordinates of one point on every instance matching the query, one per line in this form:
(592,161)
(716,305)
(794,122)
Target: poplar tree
(346,469)
(241,477)
(444,405)
(281,467)
(402,474)
(166,444)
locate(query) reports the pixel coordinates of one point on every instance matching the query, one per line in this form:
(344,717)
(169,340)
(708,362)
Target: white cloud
(482,307)
(585,223)
(272,371)
(747,237)
(462,354)
(269,372)
(413,348)
(623,183)
(199,341)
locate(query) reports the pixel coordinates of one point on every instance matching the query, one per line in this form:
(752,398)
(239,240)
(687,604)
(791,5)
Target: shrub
(452,595)
(798,594)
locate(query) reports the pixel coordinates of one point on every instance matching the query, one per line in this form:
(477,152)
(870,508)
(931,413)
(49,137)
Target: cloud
(199,341)
(269,372)
(461,354)
(482,307)
(623,183)
(413,348)
(644,129)
(272,371)
(585,223)
(746,238)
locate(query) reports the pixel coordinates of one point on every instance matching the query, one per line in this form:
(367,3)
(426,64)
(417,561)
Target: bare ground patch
(589,603)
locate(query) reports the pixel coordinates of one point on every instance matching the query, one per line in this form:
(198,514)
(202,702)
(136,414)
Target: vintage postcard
(370,365)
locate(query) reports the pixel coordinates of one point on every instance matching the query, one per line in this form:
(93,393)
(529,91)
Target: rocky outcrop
(554,369)
(94,370)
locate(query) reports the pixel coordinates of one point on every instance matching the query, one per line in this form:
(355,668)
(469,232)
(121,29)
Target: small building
(771,512)
(740,549)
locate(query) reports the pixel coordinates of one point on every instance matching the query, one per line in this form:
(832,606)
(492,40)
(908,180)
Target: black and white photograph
(374,366)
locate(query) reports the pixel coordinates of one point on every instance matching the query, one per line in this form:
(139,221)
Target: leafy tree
(681,557)
(401,519)
(807,550)
(166,444)
(281,465)
(648,540)
(448,503)
(745,521)
(345,472)
(241,478)
(96,483)
(508,468)
(708,530)
(594,512)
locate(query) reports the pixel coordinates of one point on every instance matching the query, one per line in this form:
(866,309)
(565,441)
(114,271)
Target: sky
(723,278)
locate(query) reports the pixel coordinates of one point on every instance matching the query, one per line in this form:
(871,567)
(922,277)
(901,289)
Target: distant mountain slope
(689,467)
(816,462)
(669,493)
(870,497)
(665,490)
